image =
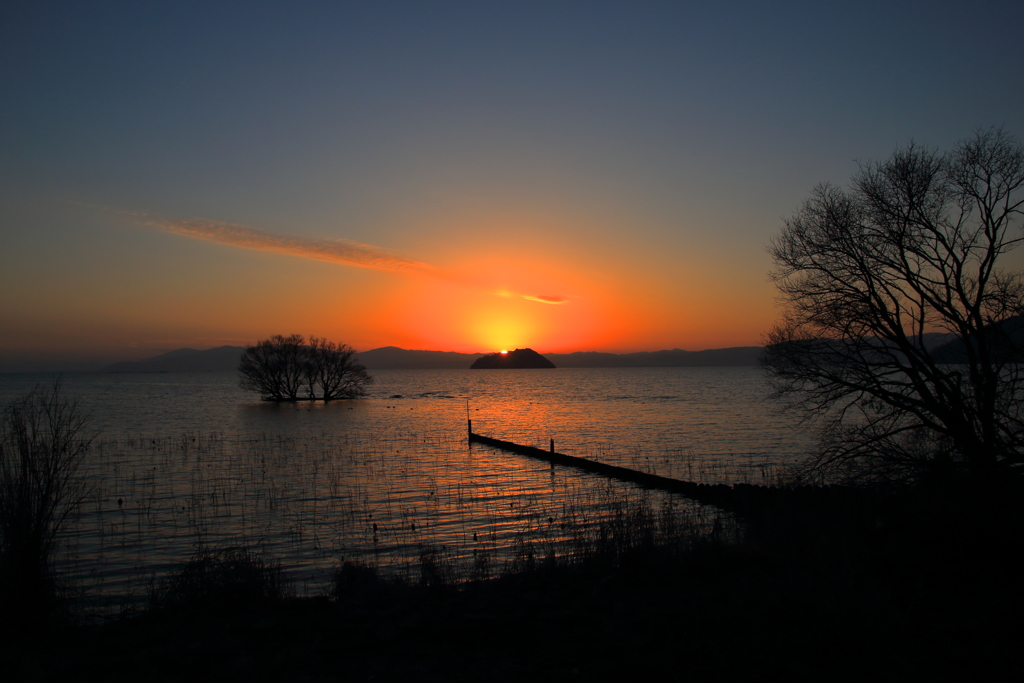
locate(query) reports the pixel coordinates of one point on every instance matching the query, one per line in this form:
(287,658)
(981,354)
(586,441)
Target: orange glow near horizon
(490,304)
(552,304)
(513,283)
(516,301)
(494,290)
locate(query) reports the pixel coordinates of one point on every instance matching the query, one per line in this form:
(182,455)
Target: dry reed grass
(44,437)
(227,579)
(416,508)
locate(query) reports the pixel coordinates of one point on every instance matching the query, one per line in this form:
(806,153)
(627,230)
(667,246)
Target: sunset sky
(452,176)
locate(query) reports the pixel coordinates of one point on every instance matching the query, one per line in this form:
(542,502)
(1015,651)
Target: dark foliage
(227,579)
(925,591)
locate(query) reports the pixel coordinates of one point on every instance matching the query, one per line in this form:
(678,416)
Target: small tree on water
(281,368)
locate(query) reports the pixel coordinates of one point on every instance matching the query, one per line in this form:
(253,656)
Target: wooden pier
(624,473)
(744,499)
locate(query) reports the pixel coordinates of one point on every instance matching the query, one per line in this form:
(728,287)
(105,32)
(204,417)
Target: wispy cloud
(546,299)
(333,251)
(339,251)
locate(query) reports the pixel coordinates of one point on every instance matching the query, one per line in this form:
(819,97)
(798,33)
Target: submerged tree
(868,275)
(280,367)
(273,367)
(335,370)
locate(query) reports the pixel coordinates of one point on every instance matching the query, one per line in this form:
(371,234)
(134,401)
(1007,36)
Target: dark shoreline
(916,586)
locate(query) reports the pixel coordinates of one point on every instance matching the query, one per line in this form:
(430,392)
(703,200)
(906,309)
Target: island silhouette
(518,359)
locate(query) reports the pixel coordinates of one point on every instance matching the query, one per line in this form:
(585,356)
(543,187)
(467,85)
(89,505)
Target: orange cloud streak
(546,299)
(344,252)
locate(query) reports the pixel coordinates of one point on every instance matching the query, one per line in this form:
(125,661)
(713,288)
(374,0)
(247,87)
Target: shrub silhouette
(43,441)
(231,578)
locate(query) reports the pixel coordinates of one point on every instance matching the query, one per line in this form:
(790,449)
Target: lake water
(189,461)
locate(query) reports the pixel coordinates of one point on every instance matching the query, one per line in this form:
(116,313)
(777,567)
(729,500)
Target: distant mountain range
(225,358)
(947,348)
(394,358)
(1008,348)
(675,358)
(184,360)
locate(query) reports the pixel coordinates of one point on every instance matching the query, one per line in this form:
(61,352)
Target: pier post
(552,445)
(469,430)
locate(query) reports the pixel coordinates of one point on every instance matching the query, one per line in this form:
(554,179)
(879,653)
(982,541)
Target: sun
(504,351)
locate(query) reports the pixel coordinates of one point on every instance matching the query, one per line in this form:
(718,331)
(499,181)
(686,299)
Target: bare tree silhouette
(915,246)
(44,438)
(280,367)
(334,368)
